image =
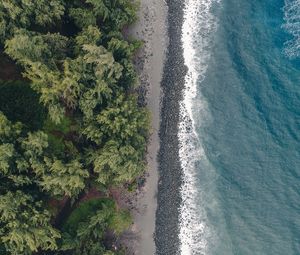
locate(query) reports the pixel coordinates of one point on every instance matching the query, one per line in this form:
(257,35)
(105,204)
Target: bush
(120,221)
(56,136)
(84,211)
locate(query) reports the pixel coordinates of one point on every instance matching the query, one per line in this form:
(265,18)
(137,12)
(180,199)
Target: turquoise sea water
(246,115)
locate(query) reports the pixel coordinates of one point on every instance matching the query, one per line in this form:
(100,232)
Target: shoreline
(155,206)
(151,28)
(173,83)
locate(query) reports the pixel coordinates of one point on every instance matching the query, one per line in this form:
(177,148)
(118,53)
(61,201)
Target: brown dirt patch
(8,69)
(92,193)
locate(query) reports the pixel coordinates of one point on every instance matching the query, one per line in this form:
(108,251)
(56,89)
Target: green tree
(13,166)
(122,120)
(114,14)
(123,52)
(25,225)
(123,128)
(94,97)
(29,47)
(122,49)
(89,35)
(86,78)
(25,13)
(51,174)
(28,159)
(62,89)
(9,132)
(41,55)
(6,155)
(63,179)
(35,144)
(34,148)
(83,17)
(92,226)
(116,164)
(48,84)
(105,67)
(123,12)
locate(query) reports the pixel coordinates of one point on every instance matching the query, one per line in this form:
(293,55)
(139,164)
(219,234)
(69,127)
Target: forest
(70,125)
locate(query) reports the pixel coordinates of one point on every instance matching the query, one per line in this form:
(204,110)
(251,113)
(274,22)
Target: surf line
(199,25)
(291,12)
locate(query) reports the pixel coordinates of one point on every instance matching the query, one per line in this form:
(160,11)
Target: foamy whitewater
(240,128)
(198,22)
(292,21)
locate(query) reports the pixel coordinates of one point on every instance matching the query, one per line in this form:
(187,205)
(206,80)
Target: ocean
(239,128)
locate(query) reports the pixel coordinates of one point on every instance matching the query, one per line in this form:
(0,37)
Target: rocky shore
(160,64)
(169,199)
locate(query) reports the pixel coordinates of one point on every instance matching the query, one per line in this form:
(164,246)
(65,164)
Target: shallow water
(241,158)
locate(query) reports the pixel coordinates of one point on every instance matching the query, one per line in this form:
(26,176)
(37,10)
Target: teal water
(247,118)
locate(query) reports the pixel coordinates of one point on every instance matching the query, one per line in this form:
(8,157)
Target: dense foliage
(17,100)
(71,125)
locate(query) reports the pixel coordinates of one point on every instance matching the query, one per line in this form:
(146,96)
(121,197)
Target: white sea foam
(292,26)
(198,27)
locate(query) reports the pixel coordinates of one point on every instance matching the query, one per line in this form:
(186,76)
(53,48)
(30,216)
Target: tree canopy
(25,225)
(74,125)
(26,13)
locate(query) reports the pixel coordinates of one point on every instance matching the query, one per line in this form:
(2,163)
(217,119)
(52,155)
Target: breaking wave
(292,26)
(198,27)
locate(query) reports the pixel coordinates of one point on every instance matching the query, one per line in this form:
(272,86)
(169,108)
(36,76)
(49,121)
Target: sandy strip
(150,28)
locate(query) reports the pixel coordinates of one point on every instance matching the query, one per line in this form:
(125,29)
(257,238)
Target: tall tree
(64,179)
(89,35)
(6,156)
(91,230)
(25,13)
(28,159)
(13,166)
(87,77)
(116,164)
(113,14)
(9,132)
(25,225)
(121,120)
(30,47)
